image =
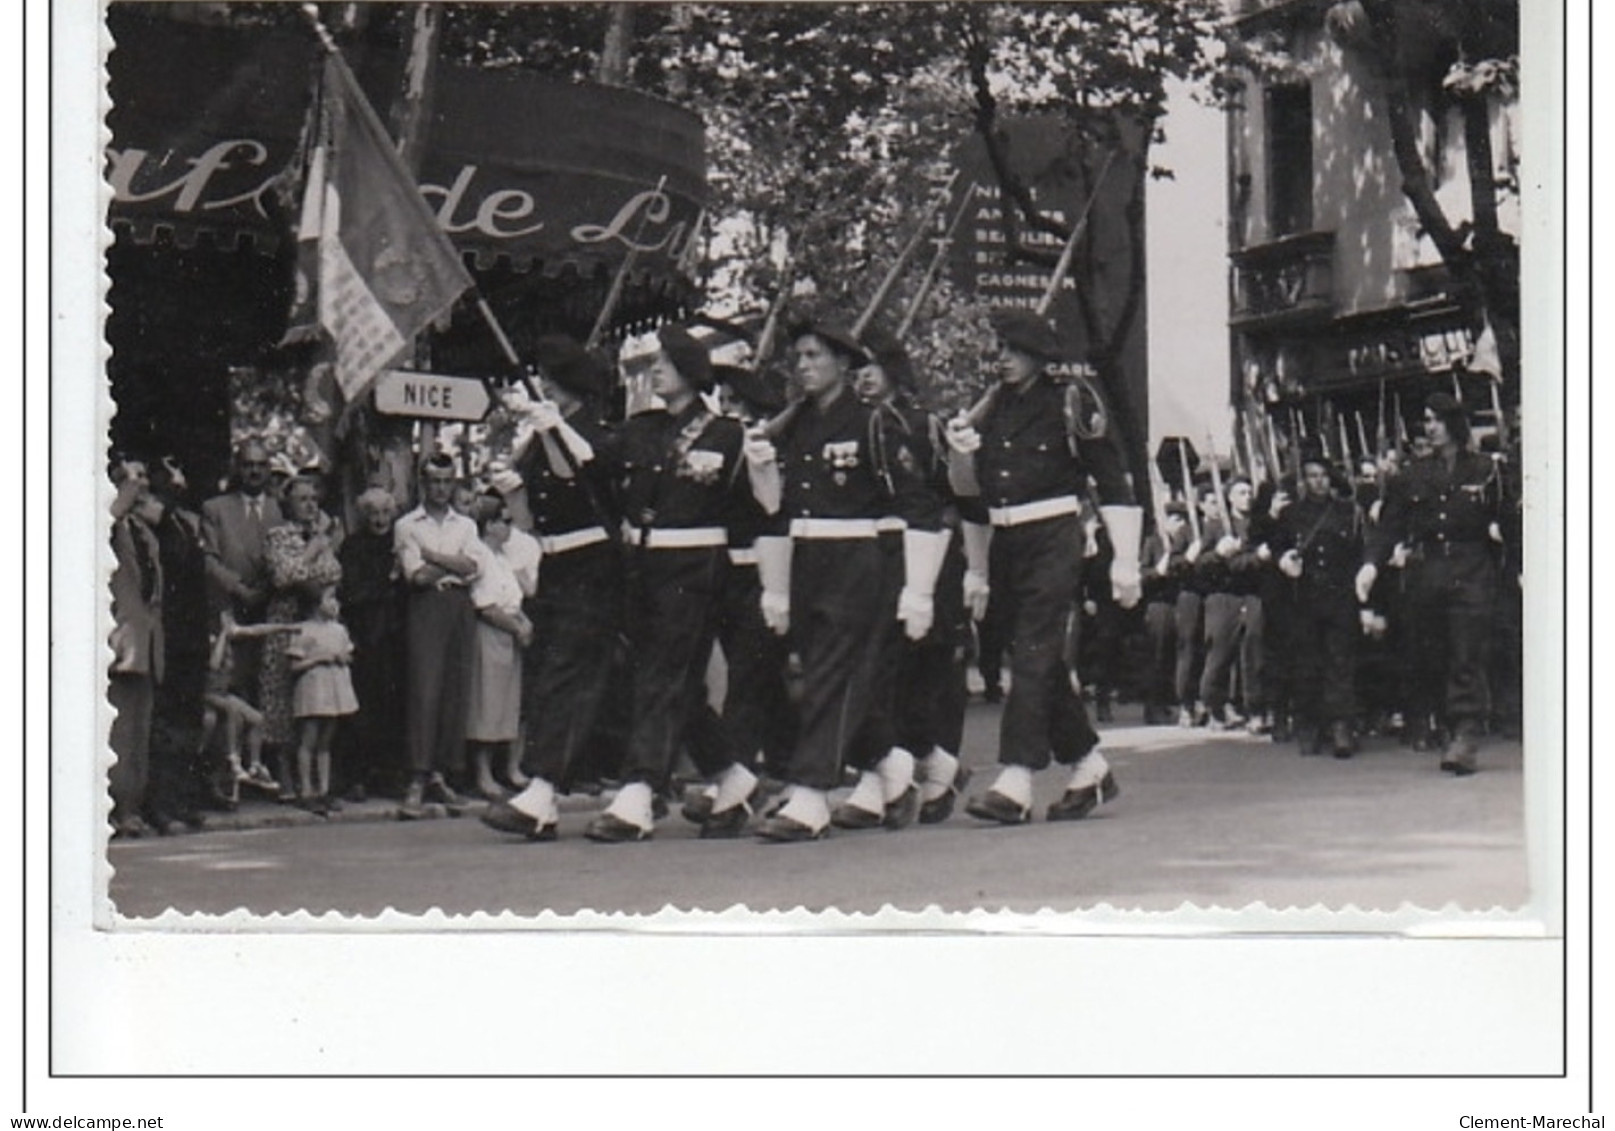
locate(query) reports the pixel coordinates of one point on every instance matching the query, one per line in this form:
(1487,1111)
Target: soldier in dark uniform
(1164,569)
(927,677)
(828,476)
(679,475)
(1318,545)
(1030,468)
(1446,508)
(566,496)
(758,724)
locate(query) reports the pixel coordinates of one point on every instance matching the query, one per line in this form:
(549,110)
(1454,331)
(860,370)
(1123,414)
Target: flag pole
(614,295)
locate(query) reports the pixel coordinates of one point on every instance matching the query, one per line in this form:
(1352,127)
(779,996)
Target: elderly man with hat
(1443,516)
(833,481)
(1029,458)
(576,612)
(1318,543)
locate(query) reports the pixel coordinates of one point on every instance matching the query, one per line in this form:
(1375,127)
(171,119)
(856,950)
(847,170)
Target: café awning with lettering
(524,173)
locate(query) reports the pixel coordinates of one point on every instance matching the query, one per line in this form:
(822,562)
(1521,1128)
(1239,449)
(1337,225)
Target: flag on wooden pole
(374,268)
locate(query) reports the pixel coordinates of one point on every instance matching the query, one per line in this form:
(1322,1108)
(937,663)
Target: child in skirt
(242,721)
(319,655)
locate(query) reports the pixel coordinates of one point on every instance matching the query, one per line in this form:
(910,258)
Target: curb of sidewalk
(269,815)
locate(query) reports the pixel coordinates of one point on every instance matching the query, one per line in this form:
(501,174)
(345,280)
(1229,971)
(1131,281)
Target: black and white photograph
(773,468)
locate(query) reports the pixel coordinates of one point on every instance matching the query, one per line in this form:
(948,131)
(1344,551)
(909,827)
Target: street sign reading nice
(404,392)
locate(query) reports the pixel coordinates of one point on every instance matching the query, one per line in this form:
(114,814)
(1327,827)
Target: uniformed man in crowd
(826,469)
(1318,545)
(569,501)
(1030,457)
(1446,510)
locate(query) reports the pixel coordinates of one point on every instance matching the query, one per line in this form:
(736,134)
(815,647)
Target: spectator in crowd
(235,527)
(318,655)
(137,646)
(503,634)
(372,598)
(302,564)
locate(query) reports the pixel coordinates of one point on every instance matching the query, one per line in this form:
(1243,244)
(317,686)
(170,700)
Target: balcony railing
(1292,279)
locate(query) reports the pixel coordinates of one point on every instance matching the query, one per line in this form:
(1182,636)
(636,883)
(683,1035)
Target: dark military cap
(692,359)
(1027,333)
(753,388)
(888,353)
(839,339)
(564,361)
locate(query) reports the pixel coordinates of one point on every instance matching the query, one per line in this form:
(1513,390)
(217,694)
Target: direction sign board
(404,392)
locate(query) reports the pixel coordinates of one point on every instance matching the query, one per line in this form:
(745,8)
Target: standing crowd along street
(550,627)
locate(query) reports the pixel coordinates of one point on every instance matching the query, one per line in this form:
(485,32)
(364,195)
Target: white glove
(916,611)
(504,479)
(1400,555)
(1290,564)
(1373,510)
(758,449)
(1365,582)
(545,416)
(961,437)
(976,592)
(516,399)
(1264,553)
(777,612)
(1227,546)
(1125,524)
(1367,619)
(1495,533)
(1192,554)
(1164,566)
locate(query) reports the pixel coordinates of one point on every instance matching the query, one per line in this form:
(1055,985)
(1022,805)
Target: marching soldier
(1318,545)
(1030,466)
(926,681)
(679,472)
(828,475)
(576,613)
(1445,512)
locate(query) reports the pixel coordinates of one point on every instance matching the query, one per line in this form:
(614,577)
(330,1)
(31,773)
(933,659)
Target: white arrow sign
(403,392)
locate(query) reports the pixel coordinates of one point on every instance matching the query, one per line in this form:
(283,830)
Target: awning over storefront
(523,172)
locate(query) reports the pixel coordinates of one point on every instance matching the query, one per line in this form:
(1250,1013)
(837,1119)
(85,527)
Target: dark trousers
(1451,603)
(877,733)
(1233,629)
(568,670)
(1098,648)
(178,777)
(375,734)
(992,633)
(1036,570)
(440,626)
(758,717)
(672,619)
(835,625)
(1281,623)
(931,695)
(1160,618)
(1188,624)
(1324,648)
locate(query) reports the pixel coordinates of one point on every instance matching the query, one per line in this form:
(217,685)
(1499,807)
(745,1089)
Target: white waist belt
(1033,512)
(676,537)
(743,555)
(890,525)
(813,528)
(571,540)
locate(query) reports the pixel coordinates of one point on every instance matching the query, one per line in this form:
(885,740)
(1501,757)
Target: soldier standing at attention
(1446,508)
(1031,466)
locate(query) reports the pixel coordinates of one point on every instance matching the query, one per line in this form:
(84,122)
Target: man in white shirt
(437,555)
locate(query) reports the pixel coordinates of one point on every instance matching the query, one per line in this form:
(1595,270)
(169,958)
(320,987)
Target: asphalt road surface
(1215,820)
